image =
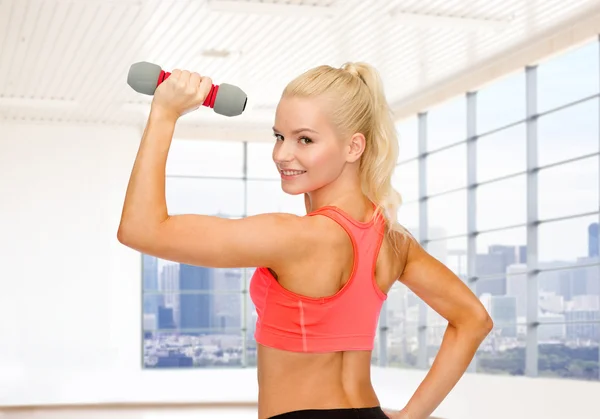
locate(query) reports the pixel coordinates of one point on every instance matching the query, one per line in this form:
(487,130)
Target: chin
(292,190)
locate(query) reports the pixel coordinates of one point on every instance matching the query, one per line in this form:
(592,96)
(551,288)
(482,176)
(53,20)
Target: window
(260,161)
(447,123)
(568,133)
(503,350)
(223,197)
(406,180)
(408,217)
(568,77)
(408,138)
(566,242)
(205,158)
(502,153)
(267,196)
(501,203)
(447,169)
(560,357)
(501,103)
(497,251)
(447,215)
(568,189)
(402,319)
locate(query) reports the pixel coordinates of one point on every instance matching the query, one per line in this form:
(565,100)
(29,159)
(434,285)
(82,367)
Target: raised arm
(263,240)
(468,325)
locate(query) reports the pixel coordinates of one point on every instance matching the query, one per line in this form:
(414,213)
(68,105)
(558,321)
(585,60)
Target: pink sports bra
(344,321)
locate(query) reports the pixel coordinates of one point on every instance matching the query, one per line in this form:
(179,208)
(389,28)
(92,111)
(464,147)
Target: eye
(306,139)
(278,136)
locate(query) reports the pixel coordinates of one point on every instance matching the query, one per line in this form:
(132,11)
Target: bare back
(293,381)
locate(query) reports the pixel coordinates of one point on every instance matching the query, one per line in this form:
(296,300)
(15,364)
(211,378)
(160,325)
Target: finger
(195,80)
(175,74)
(184,79)
(204,88)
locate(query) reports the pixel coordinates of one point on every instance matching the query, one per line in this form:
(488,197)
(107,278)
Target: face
(308,152)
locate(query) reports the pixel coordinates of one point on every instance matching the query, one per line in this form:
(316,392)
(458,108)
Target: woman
(321,278)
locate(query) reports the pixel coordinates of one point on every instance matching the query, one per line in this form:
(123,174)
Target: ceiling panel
(67,60)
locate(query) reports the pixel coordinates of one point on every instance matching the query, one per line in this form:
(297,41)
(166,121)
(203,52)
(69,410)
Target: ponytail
(362,108)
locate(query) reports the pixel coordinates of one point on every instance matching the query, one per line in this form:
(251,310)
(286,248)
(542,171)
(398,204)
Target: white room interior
(71,310)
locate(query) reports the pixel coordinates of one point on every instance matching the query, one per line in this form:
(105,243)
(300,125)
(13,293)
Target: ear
(356,147)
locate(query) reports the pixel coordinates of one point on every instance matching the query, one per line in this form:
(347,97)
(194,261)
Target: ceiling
(67,60)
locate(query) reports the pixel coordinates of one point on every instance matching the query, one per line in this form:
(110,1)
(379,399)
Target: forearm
(457,350)
(145,204)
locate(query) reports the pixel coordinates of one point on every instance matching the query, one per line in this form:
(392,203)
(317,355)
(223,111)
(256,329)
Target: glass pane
(375,352)
(435,334)
(503,311)
(205,158)
(567,241)
(203,349)
(501,352)
(568,189)
(568,133)
(447,123)
(402,318)
(564,294)
(568,77)
(501,103)
(502,153)
(251,317)
(406,180)
(569,350)
(516,285)
(496,251)
(408,217)
(267,196)
(179,296)
(447,214)
(205,196)
(502,203)
(408,138)
(447,169)
(260,160)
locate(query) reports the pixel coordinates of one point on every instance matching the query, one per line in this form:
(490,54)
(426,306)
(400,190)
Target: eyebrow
(299,130)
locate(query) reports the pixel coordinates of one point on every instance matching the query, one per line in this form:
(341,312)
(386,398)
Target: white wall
(70,326)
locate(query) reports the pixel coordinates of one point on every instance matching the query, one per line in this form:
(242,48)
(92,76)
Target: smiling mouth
(292,172)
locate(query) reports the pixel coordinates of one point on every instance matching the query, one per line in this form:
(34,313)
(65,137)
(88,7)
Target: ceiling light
(291,10)
(449,22)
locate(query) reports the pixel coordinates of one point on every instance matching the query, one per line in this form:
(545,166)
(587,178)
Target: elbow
(482,323)
(475,322)
(127,236)
(123,235)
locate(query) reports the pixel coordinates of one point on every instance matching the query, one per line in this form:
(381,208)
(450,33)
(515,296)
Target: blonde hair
(361,106)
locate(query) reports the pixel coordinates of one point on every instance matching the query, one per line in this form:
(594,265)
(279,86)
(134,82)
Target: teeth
(292,173)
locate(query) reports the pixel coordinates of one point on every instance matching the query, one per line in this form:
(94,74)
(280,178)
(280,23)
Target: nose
(283,151)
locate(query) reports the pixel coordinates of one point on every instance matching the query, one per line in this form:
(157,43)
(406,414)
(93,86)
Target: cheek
(326,162)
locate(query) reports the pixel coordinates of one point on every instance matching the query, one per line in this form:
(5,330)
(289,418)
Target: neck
(345,192)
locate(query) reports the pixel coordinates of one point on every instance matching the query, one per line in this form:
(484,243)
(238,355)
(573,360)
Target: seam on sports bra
(302,326)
